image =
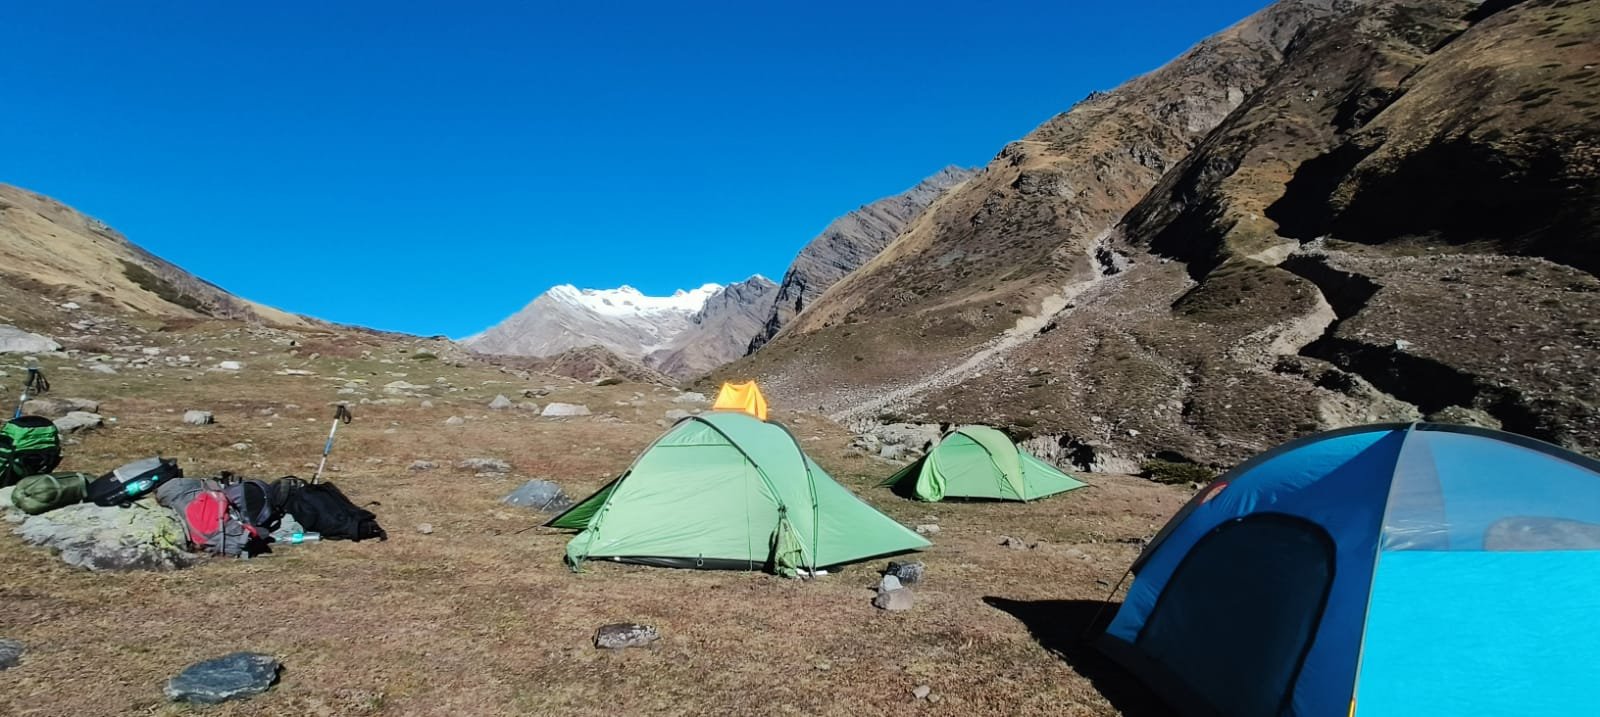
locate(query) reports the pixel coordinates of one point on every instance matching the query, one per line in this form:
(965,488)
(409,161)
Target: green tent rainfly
(725,490)
(980,462)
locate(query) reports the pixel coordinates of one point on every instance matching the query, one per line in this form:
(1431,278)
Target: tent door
(1238,615)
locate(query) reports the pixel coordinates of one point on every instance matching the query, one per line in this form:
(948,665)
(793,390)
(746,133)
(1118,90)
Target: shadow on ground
(1061,626)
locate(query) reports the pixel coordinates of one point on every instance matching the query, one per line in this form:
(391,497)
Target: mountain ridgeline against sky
(693,332)
(685,334)
(46,243)
(849,242)
(1330,213)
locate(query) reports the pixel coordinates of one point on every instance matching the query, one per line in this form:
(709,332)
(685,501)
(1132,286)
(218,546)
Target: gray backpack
(211,522)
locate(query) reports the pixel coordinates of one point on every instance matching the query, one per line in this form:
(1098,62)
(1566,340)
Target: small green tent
(725,490)
(980,462)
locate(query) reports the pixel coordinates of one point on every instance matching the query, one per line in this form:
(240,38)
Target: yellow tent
(744,397)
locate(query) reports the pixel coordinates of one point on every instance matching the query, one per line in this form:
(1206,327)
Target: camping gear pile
(225,515)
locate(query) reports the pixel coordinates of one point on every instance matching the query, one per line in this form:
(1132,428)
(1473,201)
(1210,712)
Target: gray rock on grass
(484,465)
(144,536)
(236,676)
(79,421)
(559,410)
(622,635)
(51,407)
(500,403)
(199,418)
(898,600)
(16,341)
(11,652)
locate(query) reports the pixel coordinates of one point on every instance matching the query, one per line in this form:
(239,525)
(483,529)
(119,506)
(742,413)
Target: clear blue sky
(431,167)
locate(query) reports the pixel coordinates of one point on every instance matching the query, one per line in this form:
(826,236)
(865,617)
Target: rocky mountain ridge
(1331,213)
(53,248)
(849,242)
(683,334)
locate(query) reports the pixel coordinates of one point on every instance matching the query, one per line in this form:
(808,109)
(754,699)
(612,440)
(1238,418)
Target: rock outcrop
(846,244)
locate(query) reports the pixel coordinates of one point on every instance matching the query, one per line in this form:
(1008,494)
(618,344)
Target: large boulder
(16,341)
(539,495)
(230,677)
(58,407)
(79,421)
(144,536)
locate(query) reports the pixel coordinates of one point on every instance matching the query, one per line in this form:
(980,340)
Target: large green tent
(980,462)
(725,490)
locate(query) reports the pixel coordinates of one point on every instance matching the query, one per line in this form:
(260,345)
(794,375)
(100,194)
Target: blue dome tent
(1396,569)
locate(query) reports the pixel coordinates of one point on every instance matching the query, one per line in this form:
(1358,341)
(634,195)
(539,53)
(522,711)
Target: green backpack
(43,493)
(29,445)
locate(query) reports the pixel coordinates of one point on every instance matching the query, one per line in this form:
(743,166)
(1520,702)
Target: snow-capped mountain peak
(625,299)
(633,325)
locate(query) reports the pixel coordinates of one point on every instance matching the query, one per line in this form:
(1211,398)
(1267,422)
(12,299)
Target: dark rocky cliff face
(847,243)
(1329,214)
(720,331)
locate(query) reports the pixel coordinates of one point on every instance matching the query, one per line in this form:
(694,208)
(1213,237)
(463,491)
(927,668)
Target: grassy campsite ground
(480,617)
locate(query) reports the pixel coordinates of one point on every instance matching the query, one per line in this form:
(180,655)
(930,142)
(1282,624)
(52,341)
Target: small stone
(893,600)
(240,446)
(927,529)
(425,528)
(422,466)
(529,406)
(889,582)
(909,572)
(10,653)
(236,676)
(426,404)
(617,636)
(500,402)
(102,368)
(230,366)
(921,692)
(455,421)
(198,418)
(690,397)
(1010,542)
(484,465)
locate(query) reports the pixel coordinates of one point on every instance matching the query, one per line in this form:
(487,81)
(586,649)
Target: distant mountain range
(692,332)
(685,334)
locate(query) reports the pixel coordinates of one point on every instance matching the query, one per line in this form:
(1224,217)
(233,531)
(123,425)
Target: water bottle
(138,487)
(298,538)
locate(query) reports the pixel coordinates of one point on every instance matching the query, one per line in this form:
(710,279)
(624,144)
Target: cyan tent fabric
(1387,570)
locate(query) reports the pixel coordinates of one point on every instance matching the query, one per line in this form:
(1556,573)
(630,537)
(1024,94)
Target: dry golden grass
(482,618)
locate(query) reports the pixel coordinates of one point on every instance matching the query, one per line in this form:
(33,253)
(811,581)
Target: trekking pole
(341,414)
(35,383)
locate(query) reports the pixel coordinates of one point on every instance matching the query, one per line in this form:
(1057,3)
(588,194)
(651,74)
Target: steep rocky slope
(1392,220)
(53,248)
(847,243)
(720,331)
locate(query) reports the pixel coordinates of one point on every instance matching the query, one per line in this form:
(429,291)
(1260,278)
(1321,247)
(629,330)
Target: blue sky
(431,167)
